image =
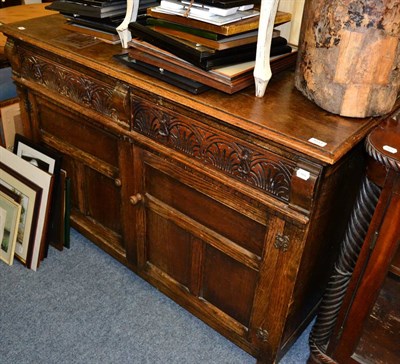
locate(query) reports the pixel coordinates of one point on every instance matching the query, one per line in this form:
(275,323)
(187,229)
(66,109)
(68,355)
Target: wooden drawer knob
(135,199)
(117,182)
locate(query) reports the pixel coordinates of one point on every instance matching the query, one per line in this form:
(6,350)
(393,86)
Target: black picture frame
(49,160)
(45,158)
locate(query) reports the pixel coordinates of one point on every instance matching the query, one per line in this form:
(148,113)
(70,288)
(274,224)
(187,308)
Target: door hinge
(282,242)
(262,334)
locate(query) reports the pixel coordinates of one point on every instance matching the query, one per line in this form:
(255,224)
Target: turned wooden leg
(262,69)
(132,7)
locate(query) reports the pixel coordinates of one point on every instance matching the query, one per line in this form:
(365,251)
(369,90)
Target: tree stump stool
(349,56)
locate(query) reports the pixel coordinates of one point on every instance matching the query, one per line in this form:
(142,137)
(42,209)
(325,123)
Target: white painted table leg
(262,69)
(132,7)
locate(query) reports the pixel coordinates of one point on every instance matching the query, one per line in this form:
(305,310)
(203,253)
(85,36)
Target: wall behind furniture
(291,31)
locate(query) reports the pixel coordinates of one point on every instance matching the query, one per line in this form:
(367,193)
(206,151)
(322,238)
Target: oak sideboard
(234,206)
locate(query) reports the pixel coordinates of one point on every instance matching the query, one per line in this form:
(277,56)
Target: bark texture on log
(349,56)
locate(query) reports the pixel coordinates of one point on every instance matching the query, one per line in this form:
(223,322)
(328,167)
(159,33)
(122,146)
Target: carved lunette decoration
(246,163)
(79,88)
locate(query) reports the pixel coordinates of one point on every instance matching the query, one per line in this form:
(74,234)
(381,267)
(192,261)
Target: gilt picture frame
(10,212)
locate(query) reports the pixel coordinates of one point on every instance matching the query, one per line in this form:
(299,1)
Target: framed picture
(49,161)
(29,194)
(10,193)
(42,179)
(10,124)
(10,212)
(44,158)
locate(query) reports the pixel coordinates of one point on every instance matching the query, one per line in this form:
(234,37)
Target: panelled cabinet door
(94,169)
(195,245)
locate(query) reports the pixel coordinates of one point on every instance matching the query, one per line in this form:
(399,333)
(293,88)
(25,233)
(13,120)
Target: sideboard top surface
(283,116)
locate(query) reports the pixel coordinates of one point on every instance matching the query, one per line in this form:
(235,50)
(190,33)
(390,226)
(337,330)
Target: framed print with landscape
(44,181)
(29,195)
(10,212)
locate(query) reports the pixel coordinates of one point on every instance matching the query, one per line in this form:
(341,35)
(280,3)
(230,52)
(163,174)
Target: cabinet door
(203,243)
(93,158)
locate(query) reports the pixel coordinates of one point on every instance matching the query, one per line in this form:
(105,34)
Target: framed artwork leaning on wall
(45,181)
(29,194)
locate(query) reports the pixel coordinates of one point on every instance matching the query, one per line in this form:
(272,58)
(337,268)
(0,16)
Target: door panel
(228,285)
(168,247)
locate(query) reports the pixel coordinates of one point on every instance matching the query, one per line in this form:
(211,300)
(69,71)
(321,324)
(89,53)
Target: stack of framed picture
(34,212)
(203,44)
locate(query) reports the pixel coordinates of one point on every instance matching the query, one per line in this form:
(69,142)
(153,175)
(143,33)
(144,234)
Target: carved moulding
(257,168)
(81,89)
(10,51)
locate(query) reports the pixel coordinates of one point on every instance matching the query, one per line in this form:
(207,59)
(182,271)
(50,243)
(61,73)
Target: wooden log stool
(349,56)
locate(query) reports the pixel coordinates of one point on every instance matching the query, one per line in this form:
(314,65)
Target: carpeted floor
(82,306)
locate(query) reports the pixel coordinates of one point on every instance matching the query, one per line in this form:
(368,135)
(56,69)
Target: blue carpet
(82,306)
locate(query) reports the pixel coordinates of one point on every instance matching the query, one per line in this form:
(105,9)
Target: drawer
(76,135)
(292,182)
(102,95)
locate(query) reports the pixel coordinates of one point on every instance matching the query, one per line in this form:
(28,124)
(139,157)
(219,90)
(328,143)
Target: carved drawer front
(247,163)
(105,96)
